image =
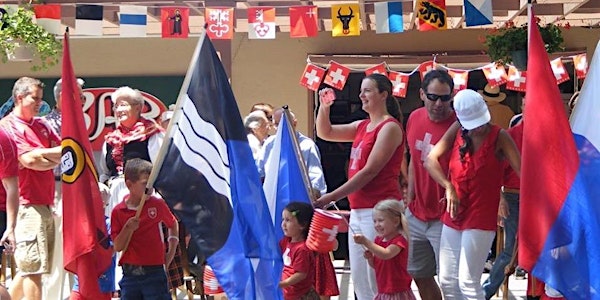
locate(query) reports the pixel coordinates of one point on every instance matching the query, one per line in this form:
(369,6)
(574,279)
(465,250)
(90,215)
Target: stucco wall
(262,70)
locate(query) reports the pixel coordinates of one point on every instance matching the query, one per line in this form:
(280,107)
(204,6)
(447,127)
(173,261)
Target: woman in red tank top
(472,193)
(373,169)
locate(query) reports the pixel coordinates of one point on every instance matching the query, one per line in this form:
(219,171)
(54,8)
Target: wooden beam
(569,8)
(513,14)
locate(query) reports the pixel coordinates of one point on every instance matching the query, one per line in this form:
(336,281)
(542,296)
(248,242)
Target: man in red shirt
(424,129)
(38,152)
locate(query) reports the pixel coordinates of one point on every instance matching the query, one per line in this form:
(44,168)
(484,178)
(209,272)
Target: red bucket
(323,230)
(211,285)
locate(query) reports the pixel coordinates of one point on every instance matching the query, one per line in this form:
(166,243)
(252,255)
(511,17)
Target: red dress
(325,280)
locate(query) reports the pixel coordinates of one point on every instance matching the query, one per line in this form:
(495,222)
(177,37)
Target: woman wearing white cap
(478,150)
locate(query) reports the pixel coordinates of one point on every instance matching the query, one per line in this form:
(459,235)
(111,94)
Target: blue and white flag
(388,17)
(478,12)
(133,21)
(284,181)
(208,178)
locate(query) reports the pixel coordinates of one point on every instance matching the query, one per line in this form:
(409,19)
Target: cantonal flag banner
(303,21)
(312,76)
(219,23)
(88,19)
(175,22)
(345,20)
(133,20)
(431,15)
(261,23)
(48,16)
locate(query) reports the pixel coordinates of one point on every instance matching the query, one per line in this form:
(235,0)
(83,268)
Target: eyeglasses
(434,97)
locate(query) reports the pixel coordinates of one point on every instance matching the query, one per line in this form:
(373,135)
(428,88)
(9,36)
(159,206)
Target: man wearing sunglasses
(425,127)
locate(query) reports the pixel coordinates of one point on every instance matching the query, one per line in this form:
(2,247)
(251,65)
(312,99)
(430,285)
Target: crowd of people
(462,174)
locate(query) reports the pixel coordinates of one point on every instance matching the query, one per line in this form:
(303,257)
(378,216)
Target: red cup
(211,284)
(323,230)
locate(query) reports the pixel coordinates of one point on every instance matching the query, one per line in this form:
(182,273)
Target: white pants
(462,256)
(363,276)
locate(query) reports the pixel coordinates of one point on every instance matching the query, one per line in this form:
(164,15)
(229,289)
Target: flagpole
(160,157)
(298,153)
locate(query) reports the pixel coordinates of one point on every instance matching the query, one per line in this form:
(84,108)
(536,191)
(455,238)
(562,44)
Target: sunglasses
(434,97)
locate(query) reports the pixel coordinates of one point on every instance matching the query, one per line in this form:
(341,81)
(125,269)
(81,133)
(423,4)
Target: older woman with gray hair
(257,129)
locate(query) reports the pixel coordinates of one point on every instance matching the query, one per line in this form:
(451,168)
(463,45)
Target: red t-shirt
(421,135)
(147,247)
(386,183)
(477,181)
(9,165)
(35,187)
(297,258)
(391,275)
(511,179)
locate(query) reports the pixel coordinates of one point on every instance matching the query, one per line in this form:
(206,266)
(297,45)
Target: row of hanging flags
(345,19)
(337,74)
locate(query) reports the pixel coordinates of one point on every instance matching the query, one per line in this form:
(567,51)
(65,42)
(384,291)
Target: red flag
(400,83)
(581,65)
(303,21)
(311,78)
(175,22)
(516,79)
(219,23)
(560,73)
(495,74)
(549,159)
(460,78)
(261,22)
(377,69)
(48,16)
(87,250)
(426,67)
(337,75)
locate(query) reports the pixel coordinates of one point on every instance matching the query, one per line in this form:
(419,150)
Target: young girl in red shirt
(298,277)
(388,254)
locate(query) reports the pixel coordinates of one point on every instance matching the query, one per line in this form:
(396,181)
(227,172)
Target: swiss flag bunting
(495,74)
(460,78)
(175,22)
(400,83)
(517,80)
(426,67)
(581,65)
(377,69)
(560,73)
(311,77)
(303,21)
(219,23)
(337,75)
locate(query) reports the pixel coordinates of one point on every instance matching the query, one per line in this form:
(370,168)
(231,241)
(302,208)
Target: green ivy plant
(19,25)
(504,41)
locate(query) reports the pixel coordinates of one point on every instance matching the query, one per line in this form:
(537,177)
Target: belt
(136,270)
(509,190)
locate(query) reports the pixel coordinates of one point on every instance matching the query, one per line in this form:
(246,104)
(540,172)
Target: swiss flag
(426,67)
(175,22)
(460,78)
(337,75)
(377,69)
(303,21)
(560,73)
(219,23)
(495,74)
(311,77)
(581,65)
(400,83)
(517,80)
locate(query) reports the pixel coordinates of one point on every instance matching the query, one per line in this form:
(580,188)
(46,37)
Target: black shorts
(2,226)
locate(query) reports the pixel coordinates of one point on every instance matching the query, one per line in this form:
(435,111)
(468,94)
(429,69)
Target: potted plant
(509,43)
(18,30)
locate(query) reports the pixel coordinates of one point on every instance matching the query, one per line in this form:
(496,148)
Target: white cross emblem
(424,145)
(496,73)
(582,65)
(311,77)
(459,80)
(355,156)
(331,232)
(310,13)
(517,79)
(558,71)
(398,84)
(337,76)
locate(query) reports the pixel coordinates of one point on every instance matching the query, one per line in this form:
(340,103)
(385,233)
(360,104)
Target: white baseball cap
(471,109)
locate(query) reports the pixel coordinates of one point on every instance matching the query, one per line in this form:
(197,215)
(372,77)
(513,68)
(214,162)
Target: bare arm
(326,131)
(388,139)
(294,279)
(510,151)
(432,164)
(378,251)
(41,159)
(173,242)
(11,185)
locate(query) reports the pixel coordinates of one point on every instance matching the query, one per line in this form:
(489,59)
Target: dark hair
(391,103)
(303,212)
(441,75)
(135,168)
(467,146)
